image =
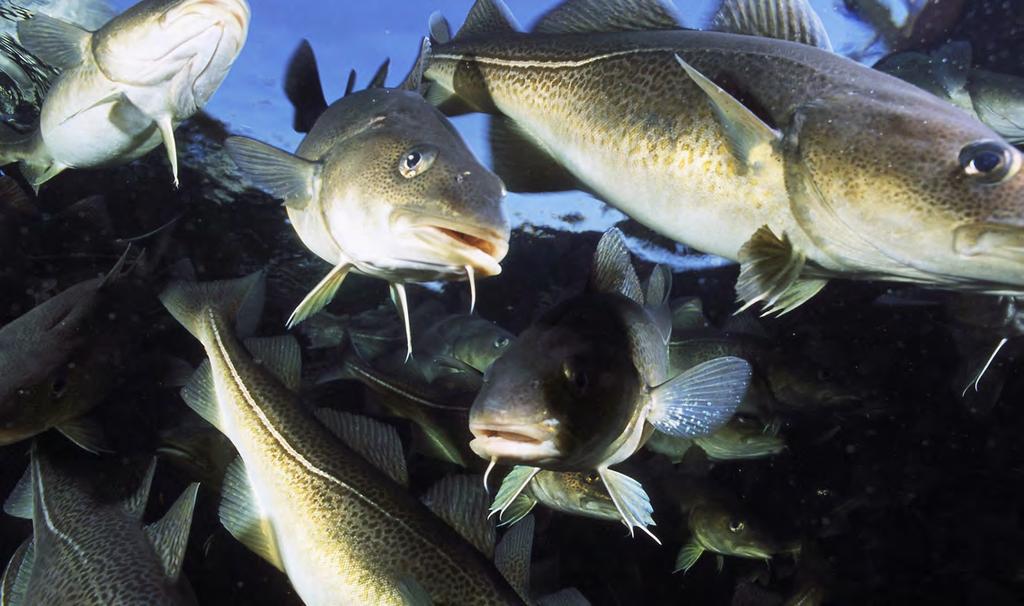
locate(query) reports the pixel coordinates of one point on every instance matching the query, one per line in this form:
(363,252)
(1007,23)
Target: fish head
(406,199)
(900,182)
(581,492)
(479,342)
(192,43)
(730,531)
(560,396)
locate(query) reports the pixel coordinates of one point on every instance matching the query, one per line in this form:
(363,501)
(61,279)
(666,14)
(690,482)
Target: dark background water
(915,500)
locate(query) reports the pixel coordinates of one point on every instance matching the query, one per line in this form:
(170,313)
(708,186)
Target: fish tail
(194,304)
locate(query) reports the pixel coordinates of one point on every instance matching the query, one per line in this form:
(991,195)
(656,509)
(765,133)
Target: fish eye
(989,161)
(736,526)
(592,478)
(417,161)
(577,378)
(58,386)
(501,343)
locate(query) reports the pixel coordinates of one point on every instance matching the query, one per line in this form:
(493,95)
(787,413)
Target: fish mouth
(521,443)
(460,245)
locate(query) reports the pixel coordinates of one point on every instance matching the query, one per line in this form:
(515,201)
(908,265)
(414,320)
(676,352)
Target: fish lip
(515,442)
(482,248)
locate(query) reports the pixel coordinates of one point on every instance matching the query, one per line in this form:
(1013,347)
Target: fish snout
(459,243)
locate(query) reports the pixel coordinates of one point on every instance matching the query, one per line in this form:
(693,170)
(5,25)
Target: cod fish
(742,438)
(52,372)
(719,525)
(582,388)
(461,348)
(93,553)
(125,87)
(343,529)
(800,164)
(574,493)
(382,185)
(995,99)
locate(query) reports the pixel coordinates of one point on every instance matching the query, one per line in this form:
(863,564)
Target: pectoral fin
(688,556)
(321,295)
(519,508)
(59,43)
(701,399)
(86,433)
(630,500)
(748,136)
(512,486)
(770,270)
(277,172)
(525,164)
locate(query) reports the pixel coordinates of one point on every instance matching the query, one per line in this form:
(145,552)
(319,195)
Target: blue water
(360,35)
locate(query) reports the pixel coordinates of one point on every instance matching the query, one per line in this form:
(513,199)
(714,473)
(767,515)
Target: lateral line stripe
(247,396)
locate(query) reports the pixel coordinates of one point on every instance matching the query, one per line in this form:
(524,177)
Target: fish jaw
(514,443)
(414,247)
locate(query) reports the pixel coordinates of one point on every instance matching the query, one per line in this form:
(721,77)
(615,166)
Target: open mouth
(460,246)
(519,443)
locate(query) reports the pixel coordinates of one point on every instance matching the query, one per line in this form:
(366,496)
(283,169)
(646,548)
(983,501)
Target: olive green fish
(343,529)
(720,525)
(382,185)
(585,385)
(55,367)
(800,164)
(89,552)
(995,99)
(124,88)
(574,493)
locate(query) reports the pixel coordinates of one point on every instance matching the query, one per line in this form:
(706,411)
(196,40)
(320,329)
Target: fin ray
(631,500)
(462,503)
(242,516)
(701,399)
(169,536)
(605,16)
(321,295)
(793,20)
(377,442)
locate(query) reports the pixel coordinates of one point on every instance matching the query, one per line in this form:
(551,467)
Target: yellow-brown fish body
(865,175)
(342,530)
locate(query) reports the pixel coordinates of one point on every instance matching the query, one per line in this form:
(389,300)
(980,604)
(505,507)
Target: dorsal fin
(377,442)
(281,356)
(19,502)
(169,535)
(135,504)
(413,81)
(200,394)
(596,16)
(613,271)
(243,516)
(462,503)
(487,17)
(350,84)
(380,78)
(303,88)
(512,556)
(440,29)
(792,20)
(14,584)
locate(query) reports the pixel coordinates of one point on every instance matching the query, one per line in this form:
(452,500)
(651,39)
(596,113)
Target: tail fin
(239,300)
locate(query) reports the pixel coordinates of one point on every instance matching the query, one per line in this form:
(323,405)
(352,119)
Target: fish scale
(745,146)
(343,530)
